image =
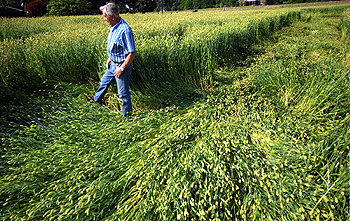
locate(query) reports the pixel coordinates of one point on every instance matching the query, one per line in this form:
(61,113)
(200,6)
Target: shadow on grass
(19,107)
(233,70)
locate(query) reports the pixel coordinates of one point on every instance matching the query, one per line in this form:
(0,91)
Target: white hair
(111,9)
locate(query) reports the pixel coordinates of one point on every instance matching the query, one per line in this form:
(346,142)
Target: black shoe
(91,99)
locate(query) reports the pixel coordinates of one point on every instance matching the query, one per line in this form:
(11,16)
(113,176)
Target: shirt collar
(116,25)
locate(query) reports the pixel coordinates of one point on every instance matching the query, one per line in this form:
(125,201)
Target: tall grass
(172,49)
(311,83)
(45,50)
(322,92)
(345,29)
(26,27)
(59,56)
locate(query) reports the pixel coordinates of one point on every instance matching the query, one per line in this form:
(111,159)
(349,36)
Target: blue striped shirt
(120,41)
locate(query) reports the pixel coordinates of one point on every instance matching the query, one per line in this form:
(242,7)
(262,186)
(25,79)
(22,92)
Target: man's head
(110,13)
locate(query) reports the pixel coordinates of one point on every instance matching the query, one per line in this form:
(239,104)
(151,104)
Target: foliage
(14,3)
(145,6)
(268,139)
(95,6)
(183,56)
(52,55)
(345,29)
(198,4)
(67,7)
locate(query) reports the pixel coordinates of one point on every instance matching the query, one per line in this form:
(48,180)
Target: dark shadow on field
(245,55)
(177,93)
(160,89)
(18,107)
(164,91)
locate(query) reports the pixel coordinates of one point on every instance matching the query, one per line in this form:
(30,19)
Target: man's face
(107,18)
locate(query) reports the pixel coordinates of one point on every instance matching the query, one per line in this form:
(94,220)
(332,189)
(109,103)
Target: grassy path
(269,141)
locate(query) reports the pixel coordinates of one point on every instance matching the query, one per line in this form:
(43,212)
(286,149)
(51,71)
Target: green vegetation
(173,52)
(266,138)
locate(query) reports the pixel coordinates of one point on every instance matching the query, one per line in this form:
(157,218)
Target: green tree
(68,7)
(206,3)
(197,4)
(20,4)
(95,5)
(186,4)
(145,6)
(166,5)
(11,3)
(174,7)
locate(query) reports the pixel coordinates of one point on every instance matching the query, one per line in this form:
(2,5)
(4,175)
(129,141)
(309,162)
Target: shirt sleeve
(130,42)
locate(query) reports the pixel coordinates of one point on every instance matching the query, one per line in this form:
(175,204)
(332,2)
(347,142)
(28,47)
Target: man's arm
(128,60)
(118,71)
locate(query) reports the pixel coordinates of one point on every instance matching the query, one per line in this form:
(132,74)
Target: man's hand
(107,63)
(118,71)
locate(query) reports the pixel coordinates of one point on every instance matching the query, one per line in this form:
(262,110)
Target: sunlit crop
(235,119)
(180,47)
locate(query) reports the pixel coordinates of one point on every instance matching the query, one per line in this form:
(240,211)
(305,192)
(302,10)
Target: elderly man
(121,52)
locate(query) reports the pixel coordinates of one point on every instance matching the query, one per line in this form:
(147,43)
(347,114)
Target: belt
(118,63)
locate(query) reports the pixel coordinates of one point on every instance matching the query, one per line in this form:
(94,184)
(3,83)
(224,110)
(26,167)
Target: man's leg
(123,91)
(106,81)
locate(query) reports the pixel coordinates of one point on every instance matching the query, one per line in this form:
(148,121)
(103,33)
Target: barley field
(239,115)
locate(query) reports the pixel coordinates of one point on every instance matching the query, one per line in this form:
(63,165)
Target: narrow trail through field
(322,34)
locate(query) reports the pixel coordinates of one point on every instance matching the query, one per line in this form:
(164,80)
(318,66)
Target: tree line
(89,7)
